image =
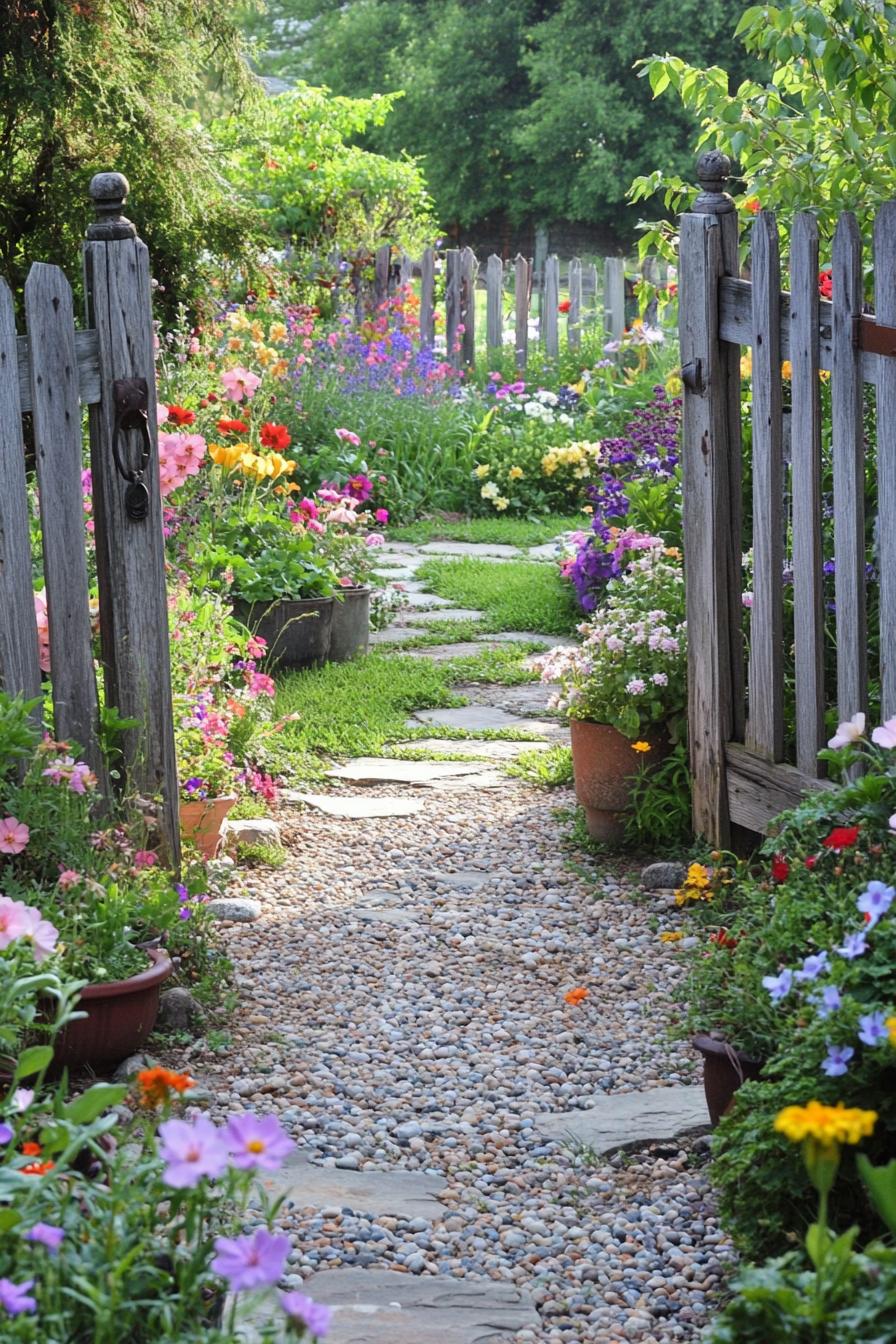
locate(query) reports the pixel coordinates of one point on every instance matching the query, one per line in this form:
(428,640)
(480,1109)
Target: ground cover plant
(512,595)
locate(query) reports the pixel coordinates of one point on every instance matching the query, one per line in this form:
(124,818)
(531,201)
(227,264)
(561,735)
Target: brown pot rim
(208,803)
(160,969)
(711,1045)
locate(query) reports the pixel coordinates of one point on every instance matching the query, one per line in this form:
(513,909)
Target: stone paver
(420,600)
(444,653)
(357,808)
(383,770)
(482,550)
(447,613)
(399,1194)
(631,1120)
(479,717)
(496,750)
(393,634)
(527,636)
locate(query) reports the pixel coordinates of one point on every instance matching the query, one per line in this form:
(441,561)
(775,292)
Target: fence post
(550,302)
(574,313)
(522,273)
(381,265)
(427,300)
(494,283)
(614,297)
(707,490)
(468,272)
(452,305)
(128,514)
(590,287)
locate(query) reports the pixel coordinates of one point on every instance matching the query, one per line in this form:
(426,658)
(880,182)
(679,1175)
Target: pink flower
(191,1151)
(347,436)
(22,1099)
(375,539)
(82,777)
(342,515)
(256,647)
(12,921)
(255,1261)
(307,1314)
(382,516)
(68,878)
(260,684)
(239,383)
(39,932)
(885,736)
(43,629)
(257,1142)
(13,835)
(145,858)
(852,730)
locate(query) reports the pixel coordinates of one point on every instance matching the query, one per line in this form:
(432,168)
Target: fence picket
(406,273)
(549,324)
(765,721)
(427,299)
(808,595)
(614,297)
(885,309)
(382,262)
(522,275)
(574,313)
(469,268)
(849,483)
(452,304)
(494,284)
(56,413)
(19,665)
(590,292)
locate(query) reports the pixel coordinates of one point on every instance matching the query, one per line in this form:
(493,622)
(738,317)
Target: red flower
(841,837)
(564,306)
(179,415)
(825,284)
(672,290)
(276,437)
(753,204)
(232,427)
(780,868)
(723,939)
(811,861)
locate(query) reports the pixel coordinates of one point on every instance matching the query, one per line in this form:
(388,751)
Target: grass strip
(492,531)
(516,595)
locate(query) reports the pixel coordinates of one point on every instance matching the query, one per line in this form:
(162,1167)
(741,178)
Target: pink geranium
(13,835)
(12,921)
(239,383)
(347,436)
(145,858)
(382,516)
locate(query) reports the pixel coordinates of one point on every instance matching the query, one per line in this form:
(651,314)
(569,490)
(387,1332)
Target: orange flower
(640,746)
(31,1150)
(156,1085)
(575,996)
(37,1168)
(752,204)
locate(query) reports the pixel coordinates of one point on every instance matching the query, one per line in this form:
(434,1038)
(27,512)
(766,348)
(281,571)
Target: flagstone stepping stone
(448,613)
(395,1194)
(418,600)
(489,751)
(630,1119)
(527,636)
(484,549)
(477,717)
(463,881)
(393,634)
(443,653)
(483,779)
(549,550)
(361,807)
(381,770)
(383,915)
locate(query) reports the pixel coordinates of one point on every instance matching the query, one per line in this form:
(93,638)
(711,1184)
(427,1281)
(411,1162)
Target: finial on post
(713,171)
(109,191)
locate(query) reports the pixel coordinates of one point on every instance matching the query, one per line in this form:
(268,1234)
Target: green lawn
(512,595)
(497,530)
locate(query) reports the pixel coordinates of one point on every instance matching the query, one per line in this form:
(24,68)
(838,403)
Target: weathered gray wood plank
(765,720)
(758,790)
(550,320)
(88,369)
(522,276)
(407,270)
(885,306)
(614,297)
(382,262)
(19,663)
(732,527)
(130,554)
(849,483)
(808,593)
(56,413)
(705,495)
(591,291)
(494,284)
(452,305)
(427,299)
(574,315)
(469,268)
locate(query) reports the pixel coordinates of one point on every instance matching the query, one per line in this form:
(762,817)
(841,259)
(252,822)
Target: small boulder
(129,1068)
(658,875)
(178,1011)
(261,831)
(239,910)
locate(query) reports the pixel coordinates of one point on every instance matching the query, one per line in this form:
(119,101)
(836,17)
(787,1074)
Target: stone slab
(483,549)
(394,634)
(467,880)
(379,1194)
(448,613)
(477,717)
(382,770)
(548,550)
(443,653)
(383,914)
(239,910)
(489,751)
(630,1119)
(531,636)
(359,808)
(419,600)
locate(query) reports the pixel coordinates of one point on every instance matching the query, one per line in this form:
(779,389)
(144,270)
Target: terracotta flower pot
(604,767)
(350,629)
(120,1016)
(724,1069)
(297,633)
(201,820)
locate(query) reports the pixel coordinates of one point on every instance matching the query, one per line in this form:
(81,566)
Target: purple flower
(813,967)
(255,1261)
(778,986)
(873,1029)
(191,1150)
(853,946)
(6,1132)
(182,893)
(875,901)
(257,1141)
(196,787)
(314,1316)
(14,1297)
(47,1235)
(837,1060)
(826,1001)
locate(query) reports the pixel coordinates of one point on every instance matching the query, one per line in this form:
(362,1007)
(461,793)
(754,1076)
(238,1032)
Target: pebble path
(401,1009)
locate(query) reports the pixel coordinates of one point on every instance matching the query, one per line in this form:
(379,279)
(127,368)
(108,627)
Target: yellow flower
(787,370)
(257,331)
(234,343)
(277,332)
(578,387)
(483,470)
(746,365)
(238,320)
(227,455)
(516,473)
(264,355)
(890,1025)
(671,937)
(672,552)
(640,746)
(674,385)
(501,503)
(827,1124)
(280,369)
(697,876)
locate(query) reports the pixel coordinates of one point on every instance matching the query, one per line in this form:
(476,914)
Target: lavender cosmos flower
(257,1141)
(14,1297)
(812,967)
(778,986)
(873,1029)
(45,1234)
(255,1261)
(309,1315)
(837,1061)
(875,901)
(191,1150)
(853,946)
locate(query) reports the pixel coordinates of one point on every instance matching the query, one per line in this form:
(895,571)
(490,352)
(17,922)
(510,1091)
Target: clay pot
(604,766)
(201,820)
(297,633)
(724,1069)
(350,628)
(120,1015)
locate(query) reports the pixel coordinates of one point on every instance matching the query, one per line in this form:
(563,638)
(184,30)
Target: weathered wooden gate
(51,374)
(737,701)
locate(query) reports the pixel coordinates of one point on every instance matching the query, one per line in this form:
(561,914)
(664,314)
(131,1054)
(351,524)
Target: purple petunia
(14,1297)
(837,1060)
(45,1234)
(813,967)
(6,1132)
(778,986)
(873,1029)
(853,946)
(255,1261)
(875,901)
(826,1001)
(301,1310)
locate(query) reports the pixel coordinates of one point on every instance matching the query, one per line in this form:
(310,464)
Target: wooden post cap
(109,191)
(713,171)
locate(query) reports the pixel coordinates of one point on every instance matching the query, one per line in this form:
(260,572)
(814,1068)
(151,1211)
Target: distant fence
(596,297)
(51,374)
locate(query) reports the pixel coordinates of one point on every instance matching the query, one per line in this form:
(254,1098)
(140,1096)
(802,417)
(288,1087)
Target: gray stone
(629,1119)
(448,613)
(531,637)
(423,601)
(381,770)
(379,1194)
(393,634)
(178,1010)
(469,881)
(482,549)
(443,653)
(656,876)
(257,831)
(496,750)
(129,1068)
(240,910)
(382,915)
(548,550)
(477,717)
(359,808)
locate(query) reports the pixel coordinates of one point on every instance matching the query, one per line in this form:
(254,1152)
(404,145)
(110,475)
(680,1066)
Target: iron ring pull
(131,398)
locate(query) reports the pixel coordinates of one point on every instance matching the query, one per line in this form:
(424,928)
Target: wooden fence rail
(744,771)
(51,373)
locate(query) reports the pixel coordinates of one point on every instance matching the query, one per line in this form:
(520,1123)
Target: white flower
(489,490)
(848,732)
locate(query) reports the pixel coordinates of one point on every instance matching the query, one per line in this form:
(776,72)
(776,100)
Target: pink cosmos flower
(848,732)
(39,932)
(257,1142)
(14,835)
(12,921)
(145,858)
(382,516)
(885,736)
(191,1150)
(255,1261)
(68,878)
(239,383)
(303,1311)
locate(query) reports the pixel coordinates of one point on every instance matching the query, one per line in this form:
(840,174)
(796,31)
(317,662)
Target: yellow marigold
(640,746)
(234,343)
(277,332)
(671,937)
(827,1124)
(890,1025)
(264,355)
(238,320)
(787,370)
(227,455)
(516,473)
(824,375)
(280,369)
(257,331)
(501,503)
(483,470)
(697,876)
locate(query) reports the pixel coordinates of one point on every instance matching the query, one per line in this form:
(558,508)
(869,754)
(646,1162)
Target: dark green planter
(297,633)
(350,633)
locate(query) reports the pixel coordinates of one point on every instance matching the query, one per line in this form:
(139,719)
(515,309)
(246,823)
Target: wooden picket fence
(737,702)
(590,302)
(50,374)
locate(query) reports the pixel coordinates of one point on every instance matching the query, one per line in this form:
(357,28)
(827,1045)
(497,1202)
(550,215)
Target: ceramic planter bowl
(120,1015)
(604,767)
(201,820)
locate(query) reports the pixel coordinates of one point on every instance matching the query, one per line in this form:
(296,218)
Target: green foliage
(260,855)
(659,811)
(551,769)
(497,530)
(513,595)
